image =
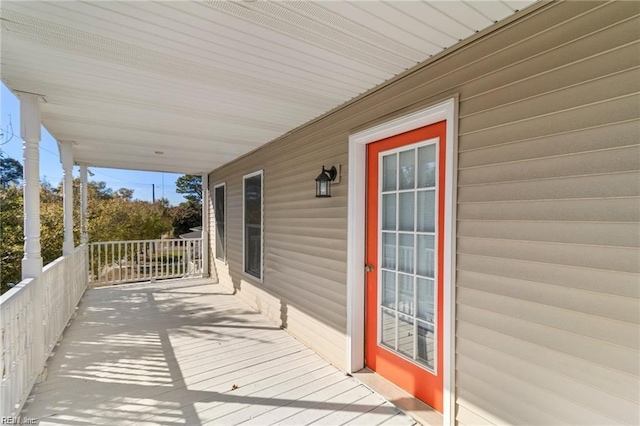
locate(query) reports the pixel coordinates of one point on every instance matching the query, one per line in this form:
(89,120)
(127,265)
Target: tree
(191,185)
(10,171)
(185,216)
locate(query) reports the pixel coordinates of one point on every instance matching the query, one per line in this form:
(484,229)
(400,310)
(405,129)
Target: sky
(51,169)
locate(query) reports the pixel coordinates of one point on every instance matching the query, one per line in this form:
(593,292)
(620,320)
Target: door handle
(368,267)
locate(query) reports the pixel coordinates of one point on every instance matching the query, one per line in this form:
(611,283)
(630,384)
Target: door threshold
(412,406)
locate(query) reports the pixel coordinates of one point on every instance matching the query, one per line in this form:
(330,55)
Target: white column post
(205,224)
(30,133)
(66,158)
(84,196)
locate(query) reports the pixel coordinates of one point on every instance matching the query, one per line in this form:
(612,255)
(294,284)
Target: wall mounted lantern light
(323,182)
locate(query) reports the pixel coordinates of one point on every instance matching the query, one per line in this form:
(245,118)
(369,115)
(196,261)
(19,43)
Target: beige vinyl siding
(548,235)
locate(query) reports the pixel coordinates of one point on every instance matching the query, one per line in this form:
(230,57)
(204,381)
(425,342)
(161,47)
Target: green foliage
(112,216)
(185,216)
(191,185)
(10,171)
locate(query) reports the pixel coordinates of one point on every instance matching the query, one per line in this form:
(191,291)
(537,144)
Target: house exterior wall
(547,313)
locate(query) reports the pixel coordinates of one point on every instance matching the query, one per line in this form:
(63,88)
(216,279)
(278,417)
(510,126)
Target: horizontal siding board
(609,331)
(526,390)
(609,258)
(611,111)
(577,369)
(590,233)
(616,308)
(615,160)
(622,134)
(610,62)
(592,399)
(604,210)
(580,187)
(601,89)
(608,355)
(504,407)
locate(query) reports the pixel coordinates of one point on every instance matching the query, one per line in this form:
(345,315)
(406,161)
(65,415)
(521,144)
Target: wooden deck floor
(186,352)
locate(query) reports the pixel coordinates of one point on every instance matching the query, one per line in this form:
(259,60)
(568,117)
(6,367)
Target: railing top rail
(15,290)
(168,240)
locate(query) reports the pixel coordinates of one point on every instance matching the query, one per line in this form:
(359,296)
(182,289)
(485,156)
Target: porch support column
(30,133)
(205,224)
(84,196)
(66,157)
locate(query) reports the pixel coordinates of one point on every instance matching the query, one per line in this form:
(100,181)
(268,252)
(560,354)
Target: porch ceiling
(205,82)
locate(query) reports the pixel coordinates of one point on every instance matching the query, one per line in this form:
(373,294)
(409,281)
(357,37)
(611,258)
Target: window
(252,224)
(220,211)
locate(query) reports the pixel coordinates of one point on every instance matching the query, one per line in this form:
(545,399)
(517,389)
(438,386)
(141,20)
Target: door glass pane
(405,335)
(389,289)
(426,211)
(389,212)
(405,253)
(388,324)
(405,294)
(408,169)
(425,257)
(426,346)
(427,166)
(389,250)
(389,172)
(406,211)
(426,299)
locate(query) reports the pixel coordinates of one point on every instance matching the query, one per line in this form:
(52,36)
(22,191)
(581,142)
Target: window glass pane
(405,294)
(219,221)
(425,258)
(426,211)
(253,225)
(405,253)
(408,169)
(389,250)
(389,212)
(405,335)
(388,324)
(406,211)
(426,344)
(426,299)
(389,289)
(427,166)
(389,172)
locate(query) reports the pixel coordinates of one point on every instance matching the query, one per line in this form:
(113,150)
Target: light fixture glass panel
(405,335)
(425,256)
(426,344)
(407,200)
(389,250)
(389,289)
(405,294)
(405,253)
(408,169)
(388,324)
(427,166)
(426,211)
(389,212)
(426,299)
(389,172)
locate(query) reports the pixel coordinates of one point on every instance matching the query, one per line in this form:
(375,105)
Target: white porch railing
(117,262)
(33,316)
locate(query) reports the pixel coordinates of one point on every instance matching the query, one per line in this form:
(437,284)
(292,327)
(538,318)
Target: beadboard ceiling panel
(205,82)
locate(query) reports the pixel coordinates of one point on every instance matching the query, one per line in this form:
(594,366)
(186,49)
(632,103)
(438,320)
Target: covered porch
(189,352)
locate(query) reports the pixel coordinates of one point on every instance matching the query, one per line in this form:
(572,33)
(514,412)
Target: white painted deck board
(171,352)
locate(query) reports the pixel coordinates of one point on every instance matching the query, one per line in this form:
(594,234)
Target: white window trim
(215,246)
(445,110)
(244,178)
